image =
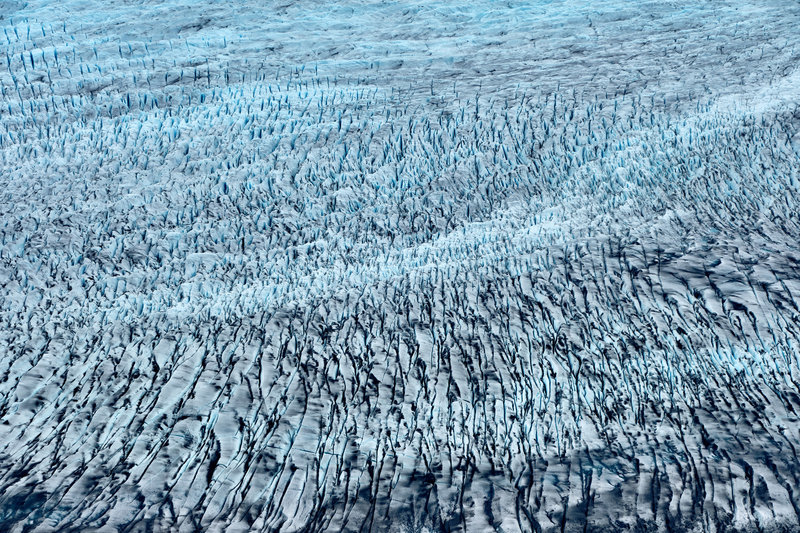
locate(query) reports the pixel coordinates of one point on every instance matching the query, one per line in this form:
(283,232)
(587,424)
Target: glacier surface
(399,266)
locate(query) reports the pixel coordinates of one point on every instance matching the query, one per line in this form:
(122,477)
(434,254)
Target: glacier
(399,266)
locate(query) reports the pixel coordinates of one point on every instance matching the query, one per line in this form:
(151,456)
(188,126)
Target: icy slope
(399,267)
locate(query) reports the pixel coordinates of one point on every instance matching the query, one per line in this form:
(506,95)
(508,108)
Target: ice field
(400,266)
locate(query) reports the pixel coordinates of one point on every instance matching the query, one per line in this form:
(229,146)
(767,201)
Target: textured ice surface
(513,266)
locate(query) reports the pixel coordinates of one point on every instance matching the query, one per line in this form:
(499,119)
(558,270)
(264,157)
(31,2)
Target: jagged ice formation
(399,266)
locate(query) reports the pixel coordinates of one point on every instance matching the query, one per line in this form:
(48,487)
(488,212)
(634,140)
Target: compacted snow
(432,266)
